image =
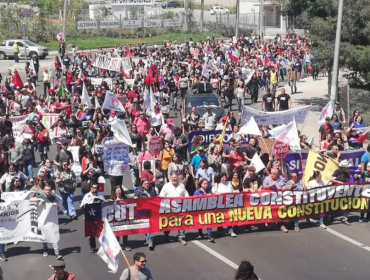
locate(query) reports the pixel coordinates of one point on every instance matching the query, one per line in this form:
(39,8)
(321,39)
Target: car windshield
(198,101)
(31,44)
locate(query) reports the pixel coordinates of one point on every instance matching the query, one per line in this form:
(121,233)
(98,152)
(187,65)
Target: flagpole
(128,265)
(300,155)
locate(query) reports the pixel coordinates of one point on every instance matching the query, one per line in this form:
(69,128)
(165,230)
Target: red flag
(363,137)
(233,58)
(149,80)
(17,81)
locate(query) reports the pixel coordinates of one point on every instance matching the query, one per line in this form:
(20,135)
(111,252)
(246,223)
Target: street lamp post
(261,19)
(334,79)
(64,20)
(237,19)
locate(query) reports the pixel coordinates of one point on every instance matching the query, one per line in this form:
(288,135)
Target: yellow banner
(319,162)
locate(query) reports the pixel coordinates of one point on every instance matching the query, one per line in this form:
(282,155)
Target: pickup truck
(32,49)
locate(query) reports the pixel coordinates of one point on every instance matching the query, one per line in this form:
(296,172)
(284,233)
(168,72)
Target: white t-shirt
(314,184)
(156,119)
(222,188)
(170,190)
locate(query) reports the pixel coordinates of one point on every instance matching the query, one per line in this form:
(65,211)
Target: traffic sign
(155,145)
(280,150)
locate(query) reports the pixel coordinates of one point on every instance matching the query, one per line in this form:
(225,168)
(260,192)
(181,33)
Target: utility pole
(237,20)
(334,78)
(186,18)
(24,42)
(261,19)
(201,14)
(64,20)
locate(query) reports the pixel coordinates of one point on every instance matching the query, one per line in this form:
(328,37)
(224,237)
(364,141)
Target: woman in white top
(156,118)
(315,181)
(239,92)
(224,186)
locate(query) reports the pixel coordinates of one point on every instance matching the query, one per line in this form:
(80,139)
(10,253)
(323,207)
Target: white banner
(97,82)
(131,23)
(109,24)
(22,220)
(152,23)
(136,60)
(283,117)
(131,2)
(87,24)
(11,196)
(172,22)
(115,156)
(109,63)
(49,119)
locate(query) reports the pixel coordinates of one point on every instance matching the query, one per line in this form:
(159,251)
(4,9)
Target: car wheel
(2,55)
(32,54)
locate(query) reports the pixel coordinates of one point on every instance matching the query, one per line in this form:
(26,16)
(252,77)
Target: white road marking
(350,240)
(215,254)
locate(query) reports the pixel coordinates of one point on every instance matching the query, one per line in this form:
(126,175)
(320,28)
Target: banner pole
(300,155)
(128,265)
(268,152)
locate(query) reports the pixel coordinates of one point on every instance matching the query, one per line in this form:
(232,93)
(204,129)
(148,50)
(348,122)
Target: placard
(131,2)
(152,23)
(172,22)
(115,156)
(131,23)
(109,24)
(87,24)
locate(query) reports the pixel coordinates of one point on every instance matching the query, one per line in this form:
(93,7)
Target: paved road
(313,253)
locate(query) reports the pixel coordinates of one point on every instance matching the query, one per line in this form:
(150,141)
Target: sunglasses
(144,261)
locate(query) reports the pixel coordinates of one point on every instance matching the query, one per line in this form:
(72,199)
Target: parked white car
(219,10)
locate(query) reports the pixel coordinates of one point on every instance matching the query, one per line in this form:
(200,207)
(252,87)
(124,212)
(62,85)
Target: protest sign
(154,145)
(76,167)
(354,157)
(126,63)
(22,220)
(18,122)
(318,162)
(283,117)
(269,144)
(115,156)
(11,196)
(208,135)
(108,63)
(155,214)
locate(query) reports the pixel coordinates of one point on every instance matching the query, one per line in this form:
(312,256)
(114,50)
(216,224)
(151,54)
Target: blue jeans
(293,86)
(240,104)
(180,236)
(124,239)
(296,224)
(67,204)
(209,232)
(28,165)
(149,238)
(43,150)
(55,247)
(2,249)
(230,229)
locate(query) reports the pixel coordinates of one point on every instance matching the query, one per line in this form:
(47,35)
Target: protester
(60,273)
(138,270)
(245,271)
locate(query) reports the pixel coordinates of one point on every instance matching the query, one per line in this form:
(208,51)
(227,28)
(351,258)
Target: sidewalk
(315,93)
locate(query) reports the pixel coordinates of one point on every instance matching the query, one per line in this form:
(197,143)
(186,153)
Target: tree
(320,18)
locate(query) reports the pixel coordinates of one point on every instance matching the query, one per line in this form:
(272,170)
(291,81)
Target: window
(11,43)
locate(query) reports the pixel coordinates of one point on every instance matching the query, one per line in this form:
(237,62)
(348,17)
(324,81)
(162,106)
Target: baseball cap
(224,118)
(337,102)
(58,263)
(169,121)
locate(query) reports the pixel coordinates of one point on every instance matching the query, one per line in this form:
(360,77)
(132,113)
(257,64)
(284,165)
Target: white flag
(257,163)
(85,97)
(152,99)
(147,99)
(327,111)
(120,132)
(110,247)
(32,66)
(111,102)
(250,128)
(288,134)
(97,104)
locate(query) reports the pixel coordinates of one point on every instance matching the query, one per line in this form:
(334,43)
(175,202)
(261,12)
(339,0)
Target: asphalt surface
(313,253)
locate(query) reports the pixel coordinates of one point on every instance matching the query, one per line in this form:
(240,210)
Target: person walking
(16,52)
(138,270)
(60,273)
(293,78)
(46,80)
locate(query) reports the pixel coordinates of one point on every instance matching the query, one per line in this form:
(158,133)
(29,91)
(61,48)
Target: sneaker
(201,236)
(3,258)
(233,234)
(45,254)
(92,250)
(323,226)
(74,217)
(346,222)
(183,242)
(211,239)
(150,246)
(59,256)
(283,229)
(361,220)
(126,248)
(297,229)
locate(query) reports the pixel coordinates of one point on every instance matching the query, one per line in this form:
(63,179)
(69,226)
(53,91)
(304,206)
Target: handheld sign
(154,145)
(280,150)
